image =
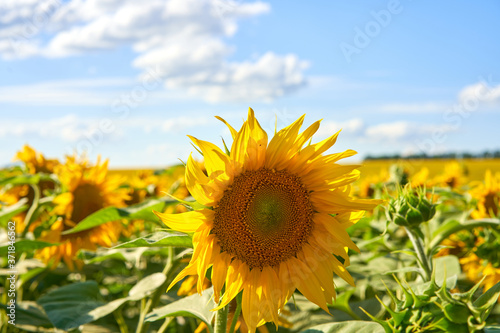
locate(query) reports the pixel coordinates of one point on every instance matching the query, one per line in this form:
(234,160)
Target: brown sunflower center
(87,200)
(264,218)
(491,203)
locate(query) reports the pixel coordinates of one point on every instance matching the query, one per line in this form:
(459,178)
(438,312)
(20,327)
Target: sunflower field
(262,233)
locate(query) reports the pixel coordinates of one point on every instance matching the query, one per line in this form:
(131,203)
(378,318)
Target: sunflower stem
(237,312)
(419,249)
(165,324)
(29,215)
(221,320)
(120,320)
(151,303)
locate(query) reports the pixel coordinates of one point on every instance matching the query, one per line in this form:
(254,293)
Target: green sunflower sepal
(411,208)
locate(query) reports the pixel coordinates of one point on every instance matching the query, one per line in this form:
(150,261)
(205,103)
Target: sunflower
(487,194)
(475,268)
(34,163)
(419,179)
(369,184)
(453,176)
(88,189)
(274,218)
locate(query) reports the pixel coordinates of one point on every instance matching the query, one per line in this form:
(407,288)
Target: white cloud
(480,92)
(351,126)
(185,39)
(400,131)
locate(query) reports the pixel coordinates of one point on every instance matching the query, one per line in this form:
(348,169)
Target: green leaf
(405,270)
(407,252)
(160,238)
(7,213)
(191,306)
(487,300)
(190,204)
(143,288)
(143,211)
(25,245)
(70,306)
(492,329)
(106,309)
(92,257)
(102,216)
(454,226)
(24,179)
(347,327)
(342,301)
(423,288)
(445,227)
(146,286)
(447,266)
(29,313)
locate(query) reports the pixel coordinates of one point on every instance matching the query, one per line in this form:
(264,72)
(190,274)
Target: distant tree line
(449,155)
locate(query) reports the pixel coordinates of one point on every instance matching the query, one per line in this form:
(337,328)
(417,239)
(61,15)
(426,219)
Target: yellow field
(474,168)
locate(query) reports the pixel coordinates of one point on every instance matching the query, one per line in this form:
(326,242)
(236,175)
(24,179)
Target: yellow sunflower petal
(251,308)
(318,263)
(313,151)
(236,275)
(239,147)
(335,229)
(194,179)
(204,260)
(272,292)
(338,199)
(189,270)
(280,145)
(257,144)
(186,222)
(219,272)
(306,282)
(231,128)
(306,135)
(215,163)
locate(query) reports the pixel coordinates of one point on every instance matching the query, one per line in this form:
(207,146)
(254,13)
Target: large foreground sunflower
(88,189)
(274,218)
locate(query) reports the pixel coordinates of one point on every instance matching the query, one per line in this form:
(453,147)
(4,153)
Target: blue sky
(129,80)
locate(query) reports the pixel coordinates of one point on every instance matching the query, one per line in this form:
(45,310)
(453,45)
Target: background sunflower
(87,189)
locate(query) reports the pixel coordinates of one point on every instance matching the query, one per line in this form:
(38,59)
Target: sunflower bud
(438,310)
(411,208)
